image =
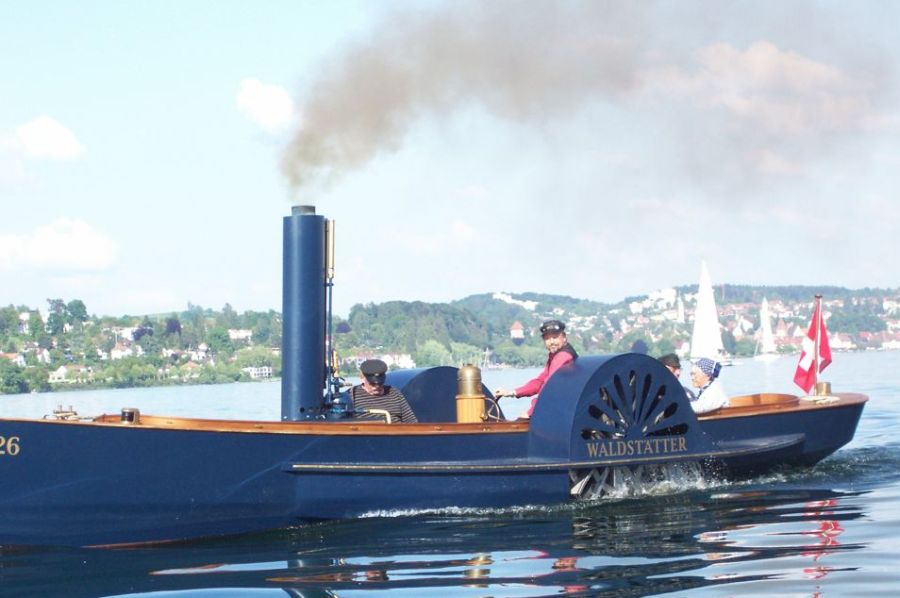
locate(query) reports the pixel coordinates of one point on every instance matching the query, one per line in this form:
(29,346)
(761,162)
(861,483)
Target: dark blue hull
(104,481)
(815,432)
(73,483)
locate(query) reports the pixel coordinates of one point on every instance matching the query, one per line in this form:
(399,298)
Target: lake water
(832,530)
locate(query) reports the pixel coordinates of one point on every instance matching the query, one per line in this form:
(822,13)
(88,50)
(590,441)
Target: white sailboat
(706,339)
(765,346)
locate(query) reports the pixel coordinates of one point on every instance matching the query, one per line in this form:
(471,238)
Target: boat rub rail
(726,449)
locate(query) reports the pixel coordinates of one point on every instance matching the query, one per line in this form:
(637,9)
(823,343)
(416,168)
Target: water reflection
(624,548)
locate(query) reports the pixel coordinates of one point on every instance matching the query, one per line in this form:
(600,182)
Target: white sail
(765,348)
(706,340)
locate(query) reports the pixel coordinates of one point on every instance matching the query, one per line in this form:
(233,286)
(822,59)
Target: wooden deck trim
(781,403)
(777,405)
(331,428)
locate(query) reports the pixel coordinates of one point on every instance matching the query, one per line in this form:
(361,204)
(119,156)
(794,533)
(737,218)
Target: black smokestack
(303,307)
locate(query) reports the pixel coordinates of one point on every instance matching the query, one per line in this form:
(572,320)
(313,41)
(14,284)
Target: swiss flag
(811,364)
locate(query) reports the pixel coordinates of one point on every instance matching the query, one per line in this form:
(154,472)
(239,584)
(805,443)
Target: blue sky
(148,150)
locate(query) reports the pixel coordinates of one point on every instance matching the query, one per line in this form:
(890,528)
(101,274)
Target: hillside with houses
(662,321)
(61,346)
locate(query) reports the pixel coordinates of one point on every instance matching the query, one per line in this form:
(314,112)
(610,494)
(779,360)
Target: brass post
(470,398)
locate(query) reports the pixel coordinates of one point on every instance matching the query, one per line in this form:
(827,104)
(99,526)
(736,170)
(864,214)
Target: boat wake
(860,469)
(677,479)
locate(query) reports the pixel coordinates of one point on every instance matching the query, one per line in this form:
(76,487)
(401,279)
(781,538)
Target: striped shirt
(391,401)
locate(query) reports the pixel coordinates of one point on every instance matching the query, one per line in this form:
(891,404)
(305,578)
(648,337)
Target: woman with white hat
(711,394)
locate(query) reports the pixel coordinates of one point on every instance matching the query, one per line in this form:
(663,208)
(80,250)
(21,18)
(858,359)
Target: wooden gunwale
(331,428)
(746,406)
(771,403)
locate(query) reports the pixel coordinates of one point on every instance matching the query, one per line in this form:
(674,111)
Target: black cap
(373,367)
(552,327)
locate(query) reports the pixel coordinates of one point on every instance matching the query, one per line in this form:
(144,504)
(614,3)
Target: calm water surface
(831,530)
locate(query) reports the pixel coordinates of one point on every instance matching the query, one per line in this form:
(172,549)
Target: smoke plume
(522,61)
(728,117)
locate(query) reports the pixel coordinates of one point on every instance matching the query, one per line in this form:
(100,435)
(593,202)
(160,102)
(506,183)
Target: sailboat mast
(817,323)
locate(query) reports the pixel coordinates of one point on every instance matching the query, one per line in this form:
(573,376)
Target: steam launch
(600,421)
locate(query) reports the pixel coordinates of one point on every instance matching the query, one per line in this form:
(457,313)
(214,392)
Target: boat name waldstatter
(644,446)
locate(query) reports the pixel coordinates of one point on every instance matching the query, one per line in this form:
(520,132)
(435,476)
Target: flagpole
(817,323)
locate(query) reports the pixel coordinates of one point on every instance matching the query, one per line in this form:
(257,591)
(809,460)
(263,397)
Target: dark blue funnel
(303,308)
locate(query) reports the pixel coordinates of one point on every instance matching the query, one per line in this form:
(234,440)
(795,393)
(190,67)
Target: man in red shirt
(560,352)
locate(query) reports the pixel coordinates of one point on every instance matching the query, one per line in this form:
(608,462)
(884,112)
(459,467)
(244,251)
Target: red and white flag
(816,354)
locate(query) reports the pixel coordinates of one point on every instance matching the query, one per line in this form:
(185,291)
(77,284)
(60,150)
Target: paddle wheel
(627,480)
(631,427)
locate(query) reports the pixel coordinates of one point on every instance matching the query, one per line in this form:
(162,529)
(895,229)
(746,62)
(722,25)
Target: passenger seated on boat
(559,353)
(673,364)
(705,376)
(372,393)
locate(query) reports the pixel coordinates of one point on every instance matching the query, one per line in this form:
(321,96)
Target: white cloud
(771,162)
(63,244)
(456,235)
(46,137)
(476,192)
(269,106)
(12,169)
(782,91)
(462,230)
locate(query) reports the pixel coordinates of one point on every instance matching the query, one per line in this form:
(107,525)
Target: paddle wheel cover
(615,408)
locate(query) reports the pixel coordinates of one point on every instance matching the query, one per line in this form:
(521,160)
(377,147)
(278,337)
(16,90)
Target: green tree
(57,358)
(745,347)
(257,356)
(76,313)
(663,347)
(193,326)
(432,353)
(145,329)
(56,318)
(45,341)
(729,343)
(855,319)
(274,329)
(627,341)
(9,321)
(221,373)
(173,326)
(38,379)
(461,353)
(89,352)
(219,343)
(35,325)
(521,356)
(152,346)
(262,331)
(12,380)
(130,372)
(228,318)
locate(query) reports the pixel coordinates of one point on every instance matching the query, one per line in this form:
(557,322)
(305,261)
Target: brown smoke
(518,60)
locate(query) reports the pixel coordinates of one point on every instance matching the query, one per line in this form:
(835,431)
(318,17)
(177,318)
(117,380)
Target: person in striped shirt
(372,393)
